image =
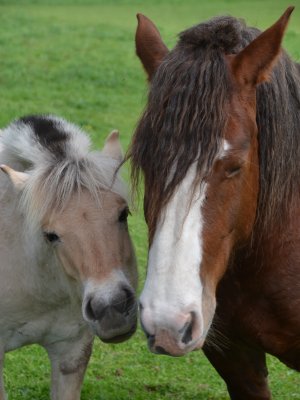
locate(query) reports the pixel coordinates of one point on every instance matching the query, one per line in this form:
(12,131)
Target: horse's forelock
(184,120)
(186,114)
(220,32)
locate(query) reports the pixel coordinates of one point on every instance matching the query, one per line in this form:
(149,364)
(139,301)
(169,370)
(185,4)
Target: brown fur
(152,48)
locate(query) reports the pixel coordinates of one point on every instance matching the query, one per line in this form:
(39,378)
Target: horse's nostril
(187,336)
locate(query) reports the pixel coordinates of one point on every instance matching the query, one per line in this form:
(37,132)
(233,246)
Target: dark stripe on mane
(48,133)
(187,111)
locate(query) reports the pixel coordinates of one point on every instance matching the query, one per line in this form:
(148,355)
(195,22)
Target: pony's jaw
(171,302)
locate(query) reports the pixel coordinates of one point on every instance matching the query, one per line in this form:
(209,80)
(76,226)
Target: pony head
(75,215)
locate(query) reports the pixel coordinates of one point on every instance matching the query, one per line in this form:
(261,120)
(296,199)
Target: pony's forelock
(56,174)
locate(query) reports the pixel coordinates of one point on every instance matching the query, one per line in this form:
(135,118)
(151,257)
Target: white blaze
(173,286)
(226,147)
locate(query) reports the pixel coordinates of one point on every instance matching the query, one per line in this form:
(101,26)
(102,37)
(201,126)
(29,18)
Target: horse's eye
(230,172)
(124,214)
(51,237)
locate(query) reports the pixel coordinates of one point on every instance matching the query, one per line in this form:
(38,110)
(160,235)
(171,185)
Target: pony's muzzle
(113,319)
(97,309)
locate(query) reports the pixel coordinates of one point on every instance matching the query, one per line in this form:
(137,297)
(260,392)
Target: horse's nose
(121,303)
(171,336)
(187,330)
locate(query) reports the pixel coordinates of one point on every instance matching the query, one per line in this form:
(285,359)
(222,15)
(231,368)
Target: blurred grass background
(76,59)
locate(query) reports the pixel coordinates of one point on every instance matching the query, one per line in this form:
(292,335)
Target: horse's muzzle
(173,336)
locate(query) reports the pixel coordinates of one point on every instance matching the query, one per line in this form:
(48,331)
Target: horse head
(197,147)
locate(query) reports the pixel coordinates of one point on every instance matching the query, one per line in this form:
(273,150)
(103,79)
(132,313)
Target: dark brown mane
(187,111)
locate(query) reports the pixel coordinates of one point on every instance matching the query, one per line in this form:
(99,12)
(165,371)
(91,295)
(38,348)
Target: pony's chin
(119,338)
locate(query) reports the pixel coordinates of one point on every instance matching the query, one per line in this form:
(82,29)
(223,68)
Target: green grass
(77,60)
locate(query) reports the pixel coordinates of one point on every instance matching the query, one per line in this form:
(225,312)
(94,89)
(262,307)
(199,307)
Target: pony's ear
(254,63)
(149,45)
(18,179)
(112,147)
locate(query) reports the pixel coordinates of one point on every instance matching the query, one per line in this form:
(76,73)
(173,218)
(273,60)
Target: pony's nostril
(130,298)
(89,311)
(124,302)
(95,310)
(187,330)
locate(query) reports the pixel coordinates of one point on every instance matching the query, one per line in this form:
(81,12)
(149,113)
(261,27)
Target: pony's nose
(121,303)
(94,309)
(124,301)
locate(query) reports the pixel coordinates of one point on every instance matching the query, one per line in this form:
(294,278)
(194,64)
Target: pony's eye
(230,172)
(51,237)
(124,214)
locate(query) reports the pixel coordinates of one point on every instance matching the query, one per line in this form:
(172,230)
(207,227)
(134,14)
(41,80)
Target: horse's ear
(18,179)
(254,64)
(149,45)
(112,147)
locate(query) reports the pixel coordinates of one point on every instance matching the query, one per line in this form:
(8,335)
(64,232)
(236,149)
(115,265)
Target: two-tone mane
(59,160)
(187,113)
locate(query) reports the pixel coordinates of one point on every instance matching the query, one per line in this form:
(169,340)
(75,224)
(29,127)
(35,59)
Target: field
(76,59)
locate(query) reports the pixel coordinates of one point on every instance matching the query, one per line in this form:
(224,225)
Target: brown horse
(219,148)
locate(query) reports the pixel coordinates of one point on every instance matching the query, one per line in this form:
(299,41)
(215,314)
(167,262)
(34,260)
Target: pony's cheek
(68,264)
